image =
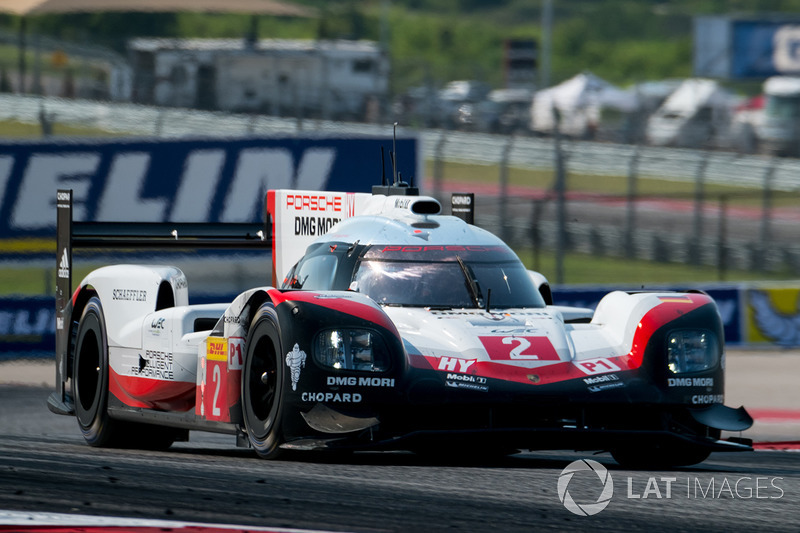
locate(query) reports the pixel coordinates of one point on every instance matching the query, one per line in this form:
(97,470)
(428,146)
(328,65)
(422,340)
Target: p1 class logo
(585,509)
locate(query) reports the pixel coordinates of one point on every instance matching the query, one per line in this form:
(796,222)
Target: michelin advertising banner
(181,180)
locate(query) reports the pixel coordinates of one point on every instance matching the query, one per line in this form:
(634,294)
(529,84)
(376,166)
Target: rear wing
(299,217)
(71,234)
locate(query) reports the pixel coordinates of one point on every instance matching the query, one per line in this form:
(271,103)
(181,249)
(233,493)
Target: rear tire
(90,377)
(90,391)
(262,384)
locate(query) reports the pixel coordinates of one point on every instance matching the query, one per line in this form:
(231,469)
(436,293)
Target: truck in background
(779,130)
(338,79)
(696,114)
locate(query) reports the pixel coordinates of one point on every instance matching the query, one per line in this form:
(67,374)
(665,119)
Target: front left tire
(263,384)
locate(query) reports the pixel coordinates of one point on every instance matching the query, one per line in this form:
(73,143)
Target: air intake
(426,207)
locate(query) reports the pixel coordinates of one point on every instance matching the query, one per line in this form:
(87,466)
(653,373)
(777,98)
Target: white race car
(397,327)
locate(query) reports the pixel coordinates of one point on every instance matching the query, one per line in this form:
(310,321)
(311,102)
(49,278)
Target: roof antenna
(394,153)
(398,186)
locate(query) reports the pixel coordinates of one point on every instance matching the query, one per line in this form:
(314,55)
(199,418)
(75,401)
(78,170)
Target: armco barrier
(756,315)
(196,180)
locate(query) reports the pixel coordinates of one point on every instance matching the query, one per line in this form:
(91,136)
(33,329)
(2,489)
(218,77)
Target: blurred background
(611,143)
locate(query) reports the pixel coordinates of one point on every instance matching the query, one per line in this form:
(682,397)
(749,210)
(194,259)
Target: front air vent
(426,207)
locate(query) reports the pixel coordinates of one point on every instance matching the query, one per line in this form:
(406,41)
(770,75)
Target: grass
(13,129)
(580,269)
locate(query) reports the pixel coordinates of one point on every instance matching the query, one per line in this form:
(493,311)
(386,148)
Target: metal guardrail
(594,158)
(651,245)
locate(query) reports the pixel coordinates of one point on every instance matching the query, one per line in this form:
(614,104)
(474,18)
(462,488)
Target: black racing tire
(90,377)
(90,391)
(649,456)
(263,384)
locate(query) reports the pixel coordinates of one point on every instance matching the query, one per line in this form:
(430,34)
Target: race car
(388,325)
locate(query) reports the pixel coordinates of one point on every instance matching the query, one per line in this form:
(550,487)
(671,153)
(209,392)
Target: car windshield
(447,284)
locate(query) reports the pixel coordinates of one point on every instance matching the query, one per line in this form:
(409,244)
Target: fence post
(45,119)
(722,252)
(766,215)
(560,186)
(699,200)
(298,107)
(21,50)
(630,215)
(536,238)
(504,227)
(438,163)
(159,122)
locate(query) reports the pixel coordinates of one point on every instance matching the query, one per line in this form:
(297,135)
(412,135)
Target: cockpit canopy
(437,276)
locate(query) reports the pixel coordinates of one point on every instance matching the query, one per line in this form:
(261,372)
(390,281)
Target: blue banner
(200,180)
(764,48)
(27,327)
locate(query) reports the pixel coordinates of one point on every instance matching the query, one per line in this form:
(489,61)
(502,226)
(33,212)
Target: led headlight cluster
(691,350)
(352,349)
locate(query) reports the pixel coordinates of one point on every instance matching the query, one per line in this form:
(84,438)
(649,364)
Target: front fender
(311,386)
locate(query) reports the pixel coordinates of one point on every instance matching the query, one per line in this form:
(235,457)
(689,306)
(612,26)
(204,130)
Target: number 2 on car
(216,388)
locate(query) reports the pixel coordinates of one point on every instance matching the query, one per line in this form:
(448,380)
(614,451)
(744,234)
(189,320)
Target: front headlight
(691,350)
(352,349)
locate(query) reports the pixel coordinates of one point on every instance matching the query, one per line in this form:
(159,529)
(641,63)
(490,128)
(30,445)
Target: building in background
(330,79)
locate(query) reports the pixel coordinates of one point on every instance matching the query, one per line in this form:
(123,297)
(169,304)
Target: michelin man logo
(295,360)
(585,509)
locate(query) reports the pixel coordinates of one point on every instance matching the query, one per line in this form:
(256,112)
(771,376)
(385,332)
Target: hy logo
(63,266)
(591,508)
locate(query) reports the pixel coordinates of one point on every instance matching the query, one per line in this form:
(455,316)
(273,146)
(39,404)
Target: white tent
(579,101)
